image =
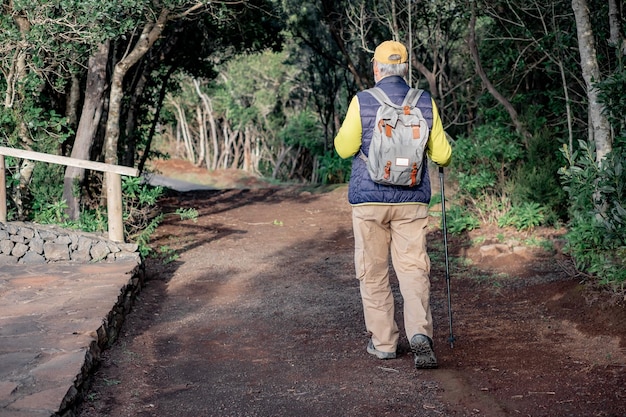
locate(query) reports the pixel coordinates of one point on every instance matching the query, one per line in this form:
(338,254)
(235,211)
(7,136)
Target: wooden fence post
(114,206)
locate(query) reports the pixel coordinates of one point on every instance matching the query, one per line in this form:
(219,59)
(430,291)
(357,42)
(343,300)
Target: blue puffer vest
(362,189)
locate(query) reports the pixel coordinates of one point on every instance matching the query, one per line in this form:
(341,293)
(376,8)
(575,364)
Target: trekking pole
(445,246)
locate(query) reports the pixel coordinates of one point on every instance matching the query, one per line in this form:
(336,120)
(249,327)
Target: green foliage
(476,184)
(141,215)
(46,194)
(91,220)
(303,129)
(52,213)
(333,169)
(459,220)
(537,179)
(261,88)
(485,159)
(538,184)
(486,164)
(139,194)
(611,94)
(259,99)
(546,245)
(588,247)
(508,181)
(47,128)
(187,214)
(597,230)
(523,217)
(167,254)
(143,237)
(141,212)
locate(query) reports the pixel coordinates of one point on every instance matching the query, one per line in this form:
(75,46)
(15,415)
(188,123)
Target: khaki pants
(401,229)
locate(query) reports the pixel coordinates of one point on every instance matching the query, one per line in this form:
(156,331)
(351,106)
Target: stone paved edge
(107,334)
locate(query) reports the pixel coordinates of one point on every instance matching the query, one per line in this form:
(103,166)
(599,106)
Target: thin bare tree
(519,126)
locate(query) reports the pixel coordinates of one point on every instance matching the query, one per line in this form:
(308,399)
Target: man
(391,218)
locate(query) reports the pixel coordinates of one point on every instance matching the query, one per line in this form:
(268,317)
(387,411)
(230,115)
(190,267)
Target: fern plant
(523,217)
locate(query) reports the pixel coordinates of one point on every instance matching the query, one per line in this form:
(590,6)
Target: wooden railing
(113,182)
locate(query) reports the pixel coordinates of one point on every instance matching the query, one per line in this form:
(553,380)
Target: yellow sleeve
(438,149)
(348,139)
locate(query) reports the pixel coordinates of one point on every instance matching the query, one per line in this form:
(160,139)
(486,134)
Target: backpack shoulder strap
(379,95)
(412,96)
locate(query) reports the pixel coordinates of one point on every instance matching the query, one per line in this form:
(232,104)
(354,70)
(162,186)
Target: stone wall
(28,243)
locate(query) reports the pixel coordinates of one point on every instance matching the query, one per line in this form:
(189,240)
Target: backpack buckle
(387,170)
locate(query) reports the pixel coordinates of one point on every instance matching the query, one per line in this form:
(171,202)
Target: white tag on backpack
(402,162)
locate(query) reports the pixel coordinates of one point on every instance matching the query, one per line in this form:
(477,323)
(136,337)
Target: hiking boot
(423,354)
(380,355)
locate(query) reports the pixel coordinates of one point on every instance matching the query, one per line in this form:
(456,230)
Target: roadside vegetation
(531,95)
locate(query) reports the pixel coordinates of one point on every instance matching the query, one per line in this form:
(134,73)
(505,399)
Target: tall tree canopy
(524,88)
(53,47)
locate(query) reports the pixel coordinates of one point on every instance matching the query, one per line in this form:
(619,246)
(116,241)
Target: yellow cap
(391,52)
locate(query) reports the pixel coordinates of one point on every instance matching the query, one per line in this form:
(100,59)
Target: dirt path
(260,316)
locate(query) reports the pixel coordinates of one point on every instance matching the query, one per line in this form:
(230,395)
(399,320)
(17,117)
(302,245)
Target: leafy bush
(459,220)
(486,159)
(507,180)
(333,169)
(141,213)
(537,179)
(303,129)
(588,246)
(597,194)
(538,185)
(91,220)
(483,163)
(523,217)
(597,233)
(46,194)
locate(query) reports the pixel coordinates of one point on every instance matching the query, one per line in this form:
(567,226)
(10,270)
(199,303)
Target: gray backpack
(399,140)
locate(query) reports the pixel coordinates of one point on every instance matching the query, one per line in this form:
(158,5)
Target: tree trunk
(155,118)
(183,130)
(599,127)
(202,136)
(280,159)
(237,144)
(227,143)
(248,157)
(519,127)
(211,158)
(428,74)
(617,38)
(14,99)
(87,127)
(73,98)
(149,35)
(130,133)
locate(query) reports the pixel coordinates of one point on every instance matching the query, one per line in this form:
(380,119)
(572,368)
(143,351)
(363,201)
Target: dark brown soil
(258,314)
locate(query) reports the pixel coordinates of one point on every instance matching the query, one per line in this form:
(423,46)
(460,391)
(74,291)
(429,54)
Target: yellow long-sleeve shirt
(348,139)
